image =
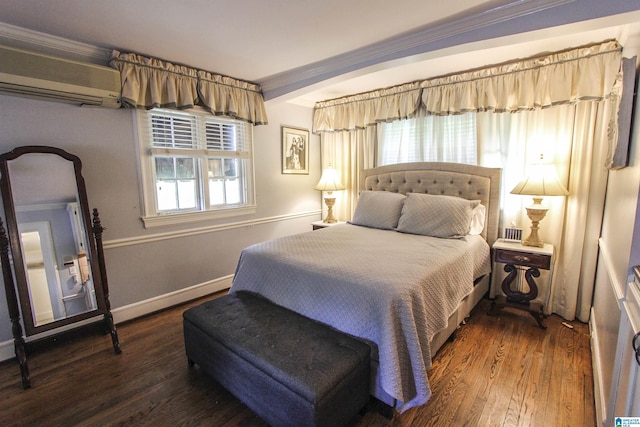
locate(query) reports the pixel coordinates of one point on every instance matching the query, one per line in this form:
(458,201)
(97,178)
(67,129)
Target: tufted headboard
(452,179)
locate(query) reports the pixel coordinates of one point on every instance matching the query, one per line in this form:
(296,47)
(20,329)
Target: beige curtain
(574,139)
(153,83)
(574,278)
(349,153)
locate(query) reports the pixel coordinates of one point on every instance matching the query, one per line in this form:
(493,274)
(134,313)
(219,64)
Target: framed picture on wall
(295,150)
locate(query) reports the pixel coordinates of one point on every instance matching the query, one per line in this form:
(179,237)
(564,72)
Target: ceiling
(305,51)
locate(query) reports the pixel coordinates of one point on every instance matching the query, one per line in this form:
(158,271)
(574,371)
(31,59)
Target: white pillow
(378,209)
(437,216)
(477,219)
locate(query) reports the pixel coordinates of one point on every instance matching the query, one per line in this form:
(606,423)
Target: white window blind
(172,131)
(429,139)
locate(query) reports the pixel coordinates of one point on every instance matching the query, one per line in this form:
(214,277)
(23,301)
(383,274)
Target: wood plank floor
(500,371)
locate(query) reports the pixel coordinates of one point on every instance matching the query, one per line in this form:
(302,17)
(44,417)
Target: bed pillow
(378,209)
(477,219)
(437,216)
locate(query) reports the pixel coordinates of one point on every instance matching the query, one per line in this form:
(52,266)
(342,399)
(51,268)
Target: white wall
(144,264)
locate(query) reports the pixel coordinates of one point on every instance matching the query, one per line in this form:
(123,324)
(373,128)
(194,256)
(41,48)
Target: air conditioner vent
(36,75)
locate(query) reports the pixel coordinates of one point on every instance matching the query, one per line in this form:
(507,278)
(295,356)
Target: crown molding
(412,43)
(14,36)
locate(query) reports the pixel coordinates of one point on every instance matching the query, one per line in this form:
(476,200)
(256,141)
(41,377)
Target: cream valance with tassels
(153,83)
(585,73)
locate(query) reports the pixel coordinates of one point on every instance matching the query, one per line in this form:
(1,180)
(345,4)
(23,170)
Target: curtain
(574,139)
(573,282)
(153,83)
(349,153)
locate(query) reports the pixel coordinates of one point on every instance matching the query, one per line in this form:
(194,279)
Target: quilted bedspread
(393,289)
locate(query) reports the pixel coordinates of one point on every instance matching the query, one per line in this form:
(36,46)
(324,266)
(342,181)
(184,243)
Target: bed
(401,275)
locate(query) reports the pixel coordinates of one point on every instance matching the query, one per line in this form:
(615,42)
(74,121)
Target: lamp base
(533,240)
(536,213)
(330,201)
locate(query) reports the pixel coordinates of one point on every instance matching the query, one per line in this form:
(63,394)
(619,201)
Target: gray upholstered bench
(290,370)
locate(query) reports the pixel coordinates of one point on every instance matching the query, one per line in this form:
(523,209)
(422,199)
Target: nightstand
(527,260)
(319,224)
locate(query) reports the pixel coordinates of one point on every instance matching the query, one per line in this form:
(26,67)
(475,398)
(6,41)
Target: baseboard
(142,308)
(6,350)
(133,311)
(598,392)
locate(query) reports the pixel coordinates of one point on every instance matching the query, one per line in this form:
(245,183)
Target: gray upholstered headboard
(452,179)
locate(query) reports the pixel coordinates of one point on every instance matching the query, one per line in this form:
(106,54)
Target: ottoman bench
(289,369)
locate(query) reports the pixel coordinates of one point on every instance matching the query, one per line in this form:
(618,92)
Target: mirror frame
(93,232)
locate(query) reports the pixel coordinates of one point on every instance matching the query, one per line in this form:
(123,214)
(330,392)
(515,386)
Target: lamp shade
(542,180)
(329,181)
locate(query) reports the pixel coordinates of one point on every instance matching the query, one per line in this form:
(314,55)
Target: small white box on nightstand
(512,234)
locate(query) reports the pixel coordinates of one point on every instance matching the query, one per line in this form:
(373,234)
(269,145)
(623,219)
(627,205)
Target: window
(194,166)
(429,139)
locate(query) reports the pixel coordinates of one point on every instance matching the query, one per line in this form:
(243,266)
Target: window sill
(185,218)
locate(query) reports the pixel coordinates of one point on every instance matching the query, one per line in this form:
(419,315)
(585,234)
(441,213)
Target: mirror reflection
(53,239)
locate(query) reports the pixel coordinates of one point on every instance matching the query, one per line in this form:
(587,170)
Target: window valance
(585,73)
(153,83)
(366,109)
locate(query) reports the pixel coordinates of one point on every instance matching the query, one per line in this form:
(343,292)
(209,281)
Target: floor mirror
(52,247)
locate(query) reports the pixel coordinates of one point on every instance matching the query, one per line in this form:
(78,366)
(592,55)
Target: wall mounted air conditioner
(36,75)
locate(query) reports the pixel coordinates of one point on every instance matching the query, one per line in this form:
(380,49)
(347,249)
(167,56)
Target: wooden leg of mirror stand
(22,361)
(108,317)
(111,329)
(12,305)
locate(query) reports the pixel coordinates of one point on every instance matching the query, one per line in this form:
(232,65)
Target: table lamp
(541,181)
(329,182)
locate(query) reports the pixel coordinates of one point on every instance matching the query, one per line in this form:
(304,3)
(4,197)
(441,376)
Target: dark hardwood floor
(499,371)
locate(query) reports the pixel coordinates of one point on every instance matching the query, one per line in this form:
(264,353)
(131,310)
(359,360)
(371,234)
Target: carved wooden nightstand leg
(517,299)
(539,316)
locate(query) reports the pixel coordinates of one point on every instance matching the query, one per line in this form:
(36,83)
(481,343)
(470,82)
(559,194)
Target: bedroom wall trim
(6,350)
(619,288)
(598,392)
(598,352)
(142,308)
(47,43)
(140,240)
